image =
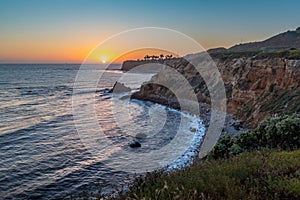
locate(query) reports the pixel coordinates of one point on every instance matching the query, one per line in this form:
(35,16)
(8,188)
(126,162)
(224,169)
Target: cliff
(256,86)
(130,64)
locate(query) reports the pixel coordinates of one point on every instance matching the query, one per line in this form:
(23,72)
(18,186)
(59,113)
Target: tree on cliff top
(146,57)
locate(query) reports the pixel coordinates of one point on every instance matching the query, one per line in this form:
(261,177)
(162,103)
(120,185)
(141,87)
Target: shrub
(275,132)
(264,174)
(221,149)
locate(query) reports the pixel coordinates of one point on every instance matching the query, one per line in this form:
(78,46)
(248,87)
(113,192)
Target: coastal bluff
(131,64)
(260,78)
(256,86)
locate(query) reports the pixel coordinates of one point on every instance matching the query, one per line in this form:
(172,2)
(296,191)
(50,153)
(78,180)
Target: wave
(40,124)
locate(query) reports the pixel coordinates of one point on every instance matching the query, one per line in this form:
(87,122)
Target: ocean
(43,153)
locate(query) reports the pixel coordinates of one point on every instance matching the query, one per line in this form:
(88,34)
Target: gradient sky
(66,31)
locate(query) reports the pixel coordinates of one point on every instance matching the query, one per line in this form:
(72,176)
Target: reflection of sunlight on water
(121,119)
(125,118)
(25,102)
(158,117)
(124,112)
(25,123)
(134,80)
(13,103)
(40,145)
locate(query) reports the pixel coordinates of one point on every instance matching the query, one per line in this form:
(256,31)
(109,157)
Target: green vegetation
(232,55)
(281,101)
(289,54)
(253,165)
(228,89)
(155,57)
(281,132)
(267,174)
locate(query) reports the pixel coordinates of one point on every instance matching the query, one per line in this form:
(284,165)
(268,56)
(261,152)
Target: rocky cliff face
(255,87)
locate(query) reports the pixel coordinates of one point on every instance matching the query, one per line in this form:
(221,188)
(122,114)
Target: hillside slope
(283,41)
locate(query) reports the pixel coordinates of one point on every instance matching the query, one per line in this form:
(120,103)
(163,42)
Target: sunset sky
(66,31)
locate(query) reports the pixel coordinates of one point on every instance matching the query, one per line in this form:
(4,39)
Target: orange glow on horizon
(107,55)
(65,50)
(140,54)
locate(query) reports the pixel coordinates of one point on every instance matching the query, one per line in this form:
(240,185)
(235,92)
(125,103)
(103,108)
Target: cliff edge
(256,86)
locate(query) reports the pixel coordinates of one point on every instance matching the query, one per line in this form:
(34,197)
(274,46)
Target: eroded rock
(119,88)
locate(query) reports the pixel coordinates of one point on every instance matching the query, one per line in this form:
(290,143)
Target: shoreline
(192,153)
(231,126)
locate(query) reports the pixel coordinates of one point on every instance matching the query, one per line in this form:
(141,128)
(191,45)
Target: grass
(267,174)
(248,166)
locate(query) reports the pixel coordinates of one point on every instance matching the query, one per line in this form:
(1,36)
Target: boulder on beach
(119,88)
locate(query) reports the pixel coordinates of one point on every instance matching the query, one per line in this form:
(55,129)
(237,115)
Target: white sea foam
(191,151)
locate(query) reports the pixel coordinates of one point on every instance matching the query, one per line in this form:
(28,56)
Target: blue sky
(42,26)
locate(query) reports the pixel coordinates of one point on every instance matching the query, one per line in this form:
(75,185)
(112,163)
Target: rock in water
(135,144)
(119,88)
(193,129)
(125,97)
(141,135)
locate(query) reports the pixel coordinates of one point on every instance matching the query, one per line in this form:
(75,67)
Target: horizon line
(55,63)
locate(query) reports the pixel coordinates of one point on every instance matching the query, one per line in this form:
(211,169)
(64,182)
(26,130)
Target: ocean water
(43,154)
